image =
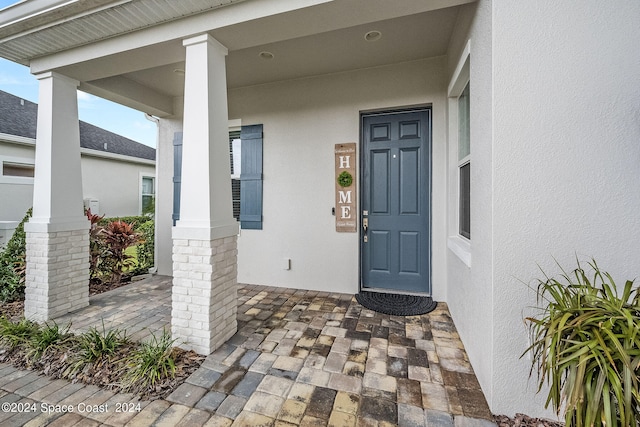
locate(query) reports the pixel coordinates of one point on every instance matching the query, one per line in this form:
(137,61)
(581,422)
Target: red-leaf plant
(96,248)
(118,236)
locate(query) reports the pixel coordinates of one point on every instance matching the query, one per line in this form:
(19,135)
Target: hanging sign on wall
(345,182)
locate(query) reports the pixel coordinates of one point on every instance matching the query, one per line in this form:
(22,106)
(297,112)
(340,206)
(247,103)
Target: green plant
(50,334)
(95,344)
(96,245)
(13,265)
(15,334)
(118,236)
(153,361)
(586,346)
(145,250)
(345,179)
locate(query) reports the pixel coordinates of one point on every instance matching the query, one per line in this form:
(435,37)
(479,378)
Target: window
(245,156)
(464,164)
(236,169)
(148,195)
(459,189)
(23,170)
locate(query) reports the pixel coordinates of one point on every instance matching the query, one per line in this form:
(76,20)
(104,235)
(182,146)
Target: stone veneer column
(57,278)
(204,295)
(204,292)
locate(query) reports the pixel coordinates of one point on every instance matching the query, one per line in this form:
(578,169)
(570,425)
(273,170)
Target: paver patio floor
(300,358)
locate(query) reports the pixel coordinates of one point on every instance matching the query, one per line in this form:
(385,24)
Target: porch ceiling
(128,51)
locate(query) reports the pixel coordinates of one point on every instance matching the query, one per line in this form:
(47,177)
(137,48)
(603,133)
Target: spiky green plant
(49,335)
(153,361)
(95,344)
(14,334)
(586,346)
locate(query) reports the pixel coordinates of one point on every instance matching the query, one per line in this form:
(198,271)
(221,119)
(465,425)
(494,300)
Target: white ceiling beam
(132,94)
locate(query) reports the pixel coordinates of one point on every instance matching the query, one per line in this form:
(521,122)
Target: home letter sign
(345,182)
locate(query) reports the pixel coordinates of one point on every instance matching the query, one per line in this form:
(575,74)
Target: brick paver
(299,358)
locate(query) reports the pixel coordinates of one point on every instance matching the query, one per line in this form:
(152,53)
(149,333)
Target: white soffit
(101,21)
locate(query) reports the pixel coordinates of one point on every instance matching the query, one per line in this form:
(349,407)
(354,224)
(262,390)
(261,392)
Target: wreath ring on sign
(345,179)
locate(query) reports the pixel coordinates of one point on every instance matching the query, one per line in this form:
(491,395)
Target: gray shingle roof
(19,117)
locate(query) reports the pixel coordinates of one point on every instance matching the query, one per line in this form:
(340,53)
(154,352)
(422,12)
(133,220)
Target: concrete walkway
(300,358)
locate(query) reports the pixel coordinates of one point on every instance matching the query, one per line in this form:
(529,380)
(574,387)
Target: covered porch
(309,358)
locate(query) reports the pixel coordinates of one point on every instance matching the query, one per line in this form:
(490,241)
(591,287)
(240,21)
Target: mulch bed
(521,420)
(59,362)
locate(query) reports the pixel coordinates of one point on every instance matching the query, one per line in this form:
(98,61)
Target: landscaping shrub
(118,236)
(109,240)
(15,334)
(49,335)
(586,346)
(145,250)
(13,265)
(152,362)
(96,344)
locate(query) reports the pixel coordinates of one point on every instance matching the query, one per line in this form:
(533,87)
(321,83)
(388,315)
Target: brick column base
(204,293)
(57,273)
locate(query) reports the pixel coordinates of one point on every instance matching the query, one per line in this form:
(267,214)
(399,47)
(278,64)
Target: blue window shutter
(177,174)
(251,177)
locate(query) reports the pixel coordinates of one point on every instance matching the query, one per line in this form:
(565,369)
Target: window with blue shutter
(247,190)
(251,177)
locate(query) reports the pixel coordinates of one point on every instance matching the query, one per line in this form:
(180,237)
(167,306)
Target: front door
(395,222)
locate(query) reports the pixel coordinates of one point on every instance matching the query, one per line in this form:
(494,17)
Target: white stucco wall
(303,119)
(469,289)
(164,192)
(566,104)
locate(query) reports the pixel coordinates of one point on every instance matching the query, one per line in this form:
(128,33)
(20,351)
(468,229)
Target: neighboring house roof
(19,117)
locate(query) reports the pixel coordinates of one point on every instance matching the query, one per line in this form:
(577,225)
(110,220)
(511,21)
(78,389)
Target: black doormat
(395,304)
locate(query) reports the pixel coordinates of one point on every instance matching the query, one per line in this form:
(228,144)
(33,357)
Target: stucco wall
(470,289)
(303,119)
(566,159)
(116,184)
(16,194)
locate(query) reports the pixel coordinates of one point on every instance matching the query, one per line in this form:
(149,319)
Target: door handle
(365,227)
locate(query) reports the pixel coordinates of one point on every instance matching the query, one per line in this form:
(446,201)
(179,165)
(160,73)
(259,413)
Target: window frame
(14,179)
(143,176)
(458,243)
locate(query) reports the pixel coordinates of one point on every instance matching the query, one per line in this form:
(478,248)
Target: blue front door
(395,237)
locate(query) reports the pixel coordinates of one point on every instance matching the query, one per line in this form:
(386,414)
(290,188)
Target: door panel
(396,197)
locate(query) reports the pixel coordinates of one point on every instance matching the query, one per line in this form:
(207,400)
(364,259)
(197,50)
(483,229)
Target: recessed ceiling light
(179,71)
(372,36)
(266,55)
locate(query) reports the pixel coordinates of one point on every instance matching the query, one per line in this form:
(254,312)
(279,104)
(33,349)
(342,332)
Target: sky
(16,80)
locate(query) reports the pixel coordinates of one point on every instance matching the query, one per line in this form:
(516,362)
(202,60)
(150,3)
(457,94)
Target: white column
(204,239)
(57,234)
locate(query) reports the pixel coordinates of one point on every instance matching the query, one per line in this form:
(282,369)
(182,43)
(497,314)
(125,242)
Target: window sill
(461,247)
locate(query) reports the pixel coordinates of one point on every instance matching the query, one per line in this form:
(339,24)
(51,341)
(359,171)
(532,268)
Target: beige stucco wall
(16,193)
(303,119)
(115,183)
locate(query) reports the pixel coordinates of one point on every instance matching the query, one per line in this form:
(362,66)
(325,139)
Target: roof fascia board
(30,142)
(113,156)
(15,139)
(193,25)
